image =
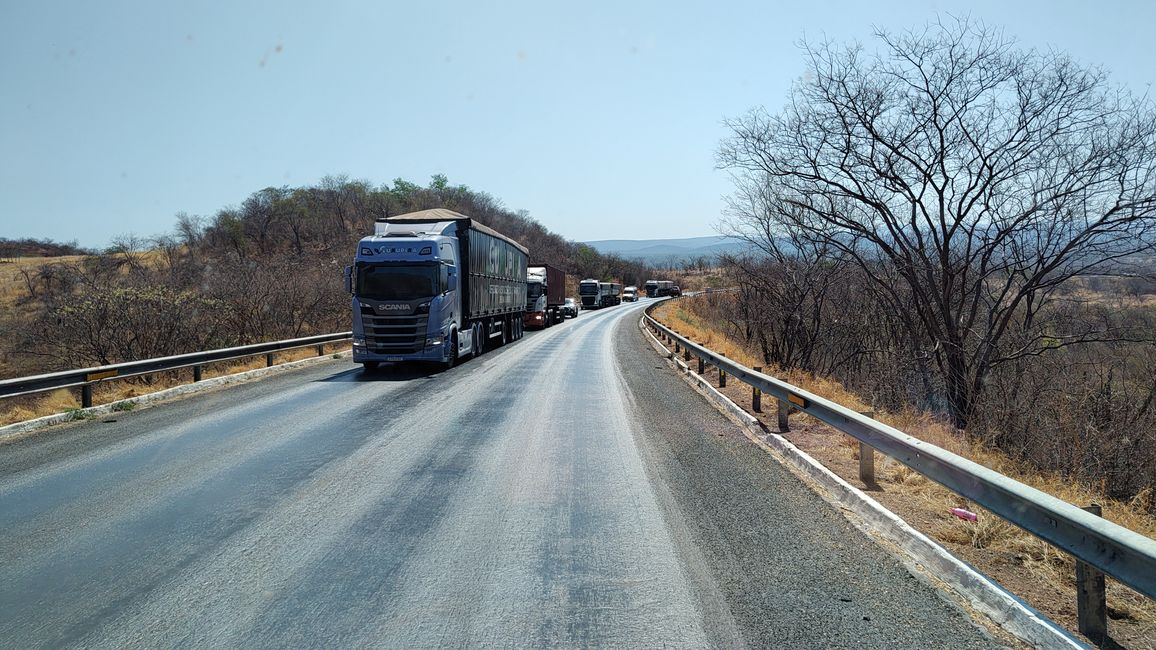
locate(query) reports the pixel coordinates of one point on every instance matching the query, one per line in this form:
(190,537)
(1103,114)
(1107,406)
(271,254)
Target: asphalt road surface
(566,490)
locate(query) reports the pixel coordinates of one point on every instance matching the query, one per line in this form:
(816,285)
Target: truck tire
(453,356)
(479,339)
(370,366)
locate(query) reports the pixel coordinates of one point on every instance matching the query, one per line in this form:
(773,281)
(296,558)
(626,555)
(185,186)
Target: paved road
(561,491)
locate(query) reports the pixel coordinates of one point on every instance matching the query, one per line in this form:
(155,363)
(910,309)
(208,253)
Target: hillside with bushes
(267,269)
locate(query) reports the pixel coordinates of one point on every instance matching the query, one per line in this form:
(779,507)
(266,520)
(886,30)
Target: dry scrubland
(14,303)
(1034,570)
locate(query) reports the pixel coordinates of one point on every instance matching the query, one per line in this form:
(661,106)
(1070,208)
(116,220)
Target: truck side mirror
(349,279)
(452,282)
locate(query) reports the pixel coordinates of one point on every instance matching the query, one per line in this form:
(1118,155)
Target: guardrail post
(685,353)
(757,395)
(701,366)
(86,396)
(867,459)
(722,374)
(677,347)
(269,360)
(196,373)
(1091,603)
(784,412)
(321,350)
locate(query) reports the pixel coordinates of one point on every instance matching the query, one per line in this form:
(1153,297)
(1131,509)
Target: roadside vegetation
(956,225)
(1032,569)
(958,234)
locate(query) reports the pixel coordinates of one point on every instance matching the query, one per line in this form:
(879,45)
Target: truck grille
(393,334)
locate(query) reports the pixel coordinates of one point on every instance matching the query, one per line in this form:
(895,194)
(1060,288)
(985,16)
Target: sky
(600,118)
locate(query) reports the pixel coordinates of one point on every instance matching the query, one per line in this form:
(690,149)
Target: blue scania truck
(434,286)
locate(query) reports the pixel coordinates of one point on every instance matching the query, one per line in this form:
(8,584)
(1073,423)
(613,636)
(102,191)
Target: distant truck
(595,294)
(545,296)
(434,286)
(630,294)
(658,288)
(615,292)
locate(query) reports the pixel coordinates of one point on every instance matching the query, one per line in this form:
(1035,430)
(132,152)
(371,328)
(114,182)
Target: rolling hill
(664,250)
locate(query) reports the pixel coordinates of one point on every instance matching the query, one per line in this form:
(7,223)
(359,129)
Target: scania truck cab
(434,286)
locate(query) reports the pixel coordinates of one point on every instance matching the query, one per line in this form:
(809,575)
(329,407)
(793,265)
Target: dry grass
(64,400)
(12,286)
(928,505)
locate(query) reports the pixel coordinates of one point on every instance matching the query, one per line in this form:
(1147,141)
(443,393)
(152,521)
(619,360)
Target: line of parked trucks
(437,286)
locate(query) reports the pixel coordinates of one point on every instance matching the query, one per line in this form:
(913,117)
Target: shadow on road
(398,372)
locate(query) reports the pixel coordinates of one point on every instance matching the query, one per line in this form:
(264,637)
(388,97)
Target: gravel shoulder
(791,570)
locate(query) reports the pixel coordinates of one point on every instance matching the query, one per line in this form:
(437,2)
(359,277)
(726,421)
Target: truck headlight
(434,341)
(359,341)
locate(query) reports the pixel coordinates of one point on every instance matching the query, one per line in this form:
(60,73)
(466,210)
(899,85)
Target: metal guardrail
(86,377)
(1117,551)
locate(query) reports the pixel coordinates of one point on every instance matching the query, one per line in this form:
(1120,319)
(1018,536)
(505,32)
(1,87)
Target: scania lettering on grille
(393,308)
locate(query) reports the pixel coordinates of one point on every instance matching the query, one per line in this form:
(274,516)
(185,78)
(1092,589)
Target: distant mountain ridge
(654,250)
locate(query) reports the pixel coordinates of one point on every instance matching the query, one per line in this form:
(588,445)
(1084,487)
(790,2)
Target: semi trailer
(658,288)
(545,296)
(595,294)
(434,286)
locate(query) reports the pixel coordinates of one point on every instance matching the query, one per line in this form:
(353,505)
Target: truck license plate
(393,359)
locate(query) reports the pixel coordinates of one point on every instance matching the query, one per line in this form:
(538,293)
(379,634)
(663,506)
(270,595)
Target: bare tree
(190,229)
(980,176)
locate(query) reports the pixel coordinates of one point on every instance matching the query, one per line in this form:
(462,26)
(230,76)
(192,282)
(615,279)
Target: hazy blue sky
(600,118)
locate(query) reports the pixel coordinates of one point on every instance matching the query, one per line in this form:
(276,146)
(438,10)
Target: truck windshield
(533,290)
(397,281)
(588,289)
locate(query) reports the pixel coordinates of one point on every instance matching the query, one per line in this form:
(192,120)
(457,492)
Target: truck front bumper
(534,319)
(434,350)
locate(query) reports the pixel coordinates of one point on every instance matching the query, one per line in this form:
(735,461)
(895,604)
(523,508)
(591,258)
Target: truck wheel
(479,339)
(453,356)
(370,366)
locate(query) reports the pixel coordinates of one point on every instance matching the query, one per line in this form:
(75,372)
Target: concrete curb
(19,430)
(919,552)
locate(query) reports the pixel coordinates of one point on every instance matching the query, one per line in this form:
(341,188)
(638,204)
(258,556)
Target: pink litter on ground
(964,514)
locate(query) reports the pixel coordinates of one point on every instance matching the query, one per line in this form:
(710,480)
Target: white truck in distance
(595,294)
